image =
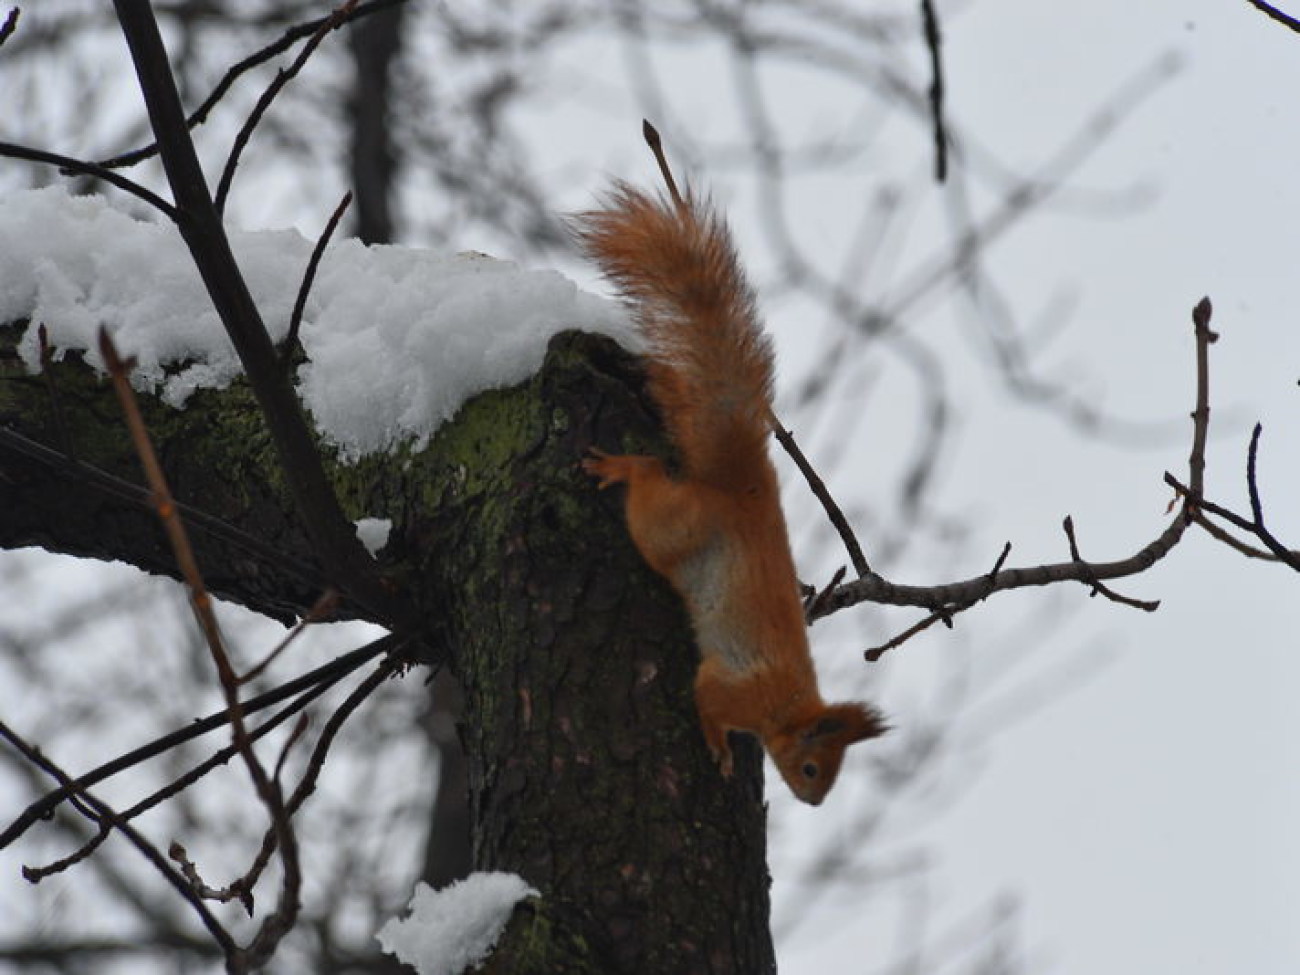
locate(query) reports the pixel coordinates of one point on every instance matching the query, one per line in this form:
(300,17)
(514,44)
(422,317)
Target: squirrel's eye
(810,771)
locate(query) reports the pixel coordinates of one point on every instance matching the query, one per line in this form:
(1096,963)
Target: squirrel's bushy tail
(710,361)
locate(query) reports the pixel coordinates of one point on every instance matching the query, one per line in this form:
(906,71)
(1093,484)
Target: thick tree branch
(92,503)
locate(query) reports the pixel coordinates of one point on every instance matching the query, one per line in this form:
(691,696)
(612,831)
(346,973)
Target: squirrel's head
(808,755)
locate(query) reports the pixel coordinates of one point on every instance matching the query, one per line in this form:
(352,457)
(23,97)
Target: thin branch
(178,854)
(165,504)
(1252,484)
(35,875)
(934,43)
(322,609)
(651,136)
(386,669)
(220,757)
(103,812)
(944,615)
(1271,11)
(815,598)
(938,616)
(223,755)
(1254,525)
(959,595)
(290,342)
(282,78)
(80,166)
(823,495)
(322,678)
(268,791)
(290,37)
(1221,534)
(9,26)
(299,727)
(1149,606)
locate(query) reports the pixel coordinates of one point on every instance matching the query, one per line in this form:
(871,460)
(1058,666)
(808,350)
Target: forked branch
(947,600)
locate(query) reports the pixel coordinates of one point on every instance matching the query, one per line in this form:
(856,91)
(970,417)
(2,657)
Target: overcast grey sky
(1148,819)
(1144,821)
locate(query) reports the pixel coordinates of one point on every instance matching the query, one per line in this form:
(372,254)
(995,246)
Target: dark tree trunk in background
(376,43)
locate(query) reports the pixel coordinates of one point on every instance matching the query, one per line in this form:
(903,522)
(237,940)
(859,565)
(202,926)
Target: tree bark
(588,773)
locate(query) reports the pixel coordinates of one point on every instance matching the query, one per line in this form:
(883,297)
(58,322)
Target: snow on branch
(396,339)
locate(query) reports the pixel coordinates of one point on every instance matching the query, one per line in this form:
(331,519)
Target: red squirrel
(716,530)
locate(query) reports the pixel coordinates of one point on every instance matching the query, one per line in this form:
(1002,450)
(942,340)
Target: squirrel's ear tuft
(824,727)
(856,722)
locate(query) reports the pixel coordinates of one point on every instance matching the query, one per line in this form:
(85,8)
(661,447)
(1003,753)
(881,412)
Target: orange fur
(717,533)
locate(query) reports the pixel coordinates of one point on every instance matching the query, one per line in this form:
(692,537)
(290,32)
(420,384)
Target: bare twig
(1254,525)
(200,601)
(268,790)
(312,683)
(815,597)
(35,875)
(1221,534)
(221,757)
(299,727)
(10,25)
(943,599)
(943,615)
(307,785)
(1002,560)
(823,495)
(934,43)
(290,37)
(80,166)
(651,135)
(290,342)
(282,78)
(938,616)
(201,889)
(1149,606)
(320,611)
(102,812)
(1271,11)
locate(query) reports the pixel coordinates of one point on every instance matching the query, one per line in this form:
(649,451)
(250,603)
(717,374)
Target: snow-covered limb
(396,338)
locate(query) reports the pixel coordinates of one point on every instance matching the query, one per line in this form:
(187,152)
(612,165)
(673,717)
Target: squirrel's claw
(596,464)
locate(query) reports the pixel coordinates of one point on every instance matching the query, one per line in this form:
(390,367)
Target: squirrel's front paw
(725,763)
(597,464)
(721,752)
(608,468)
